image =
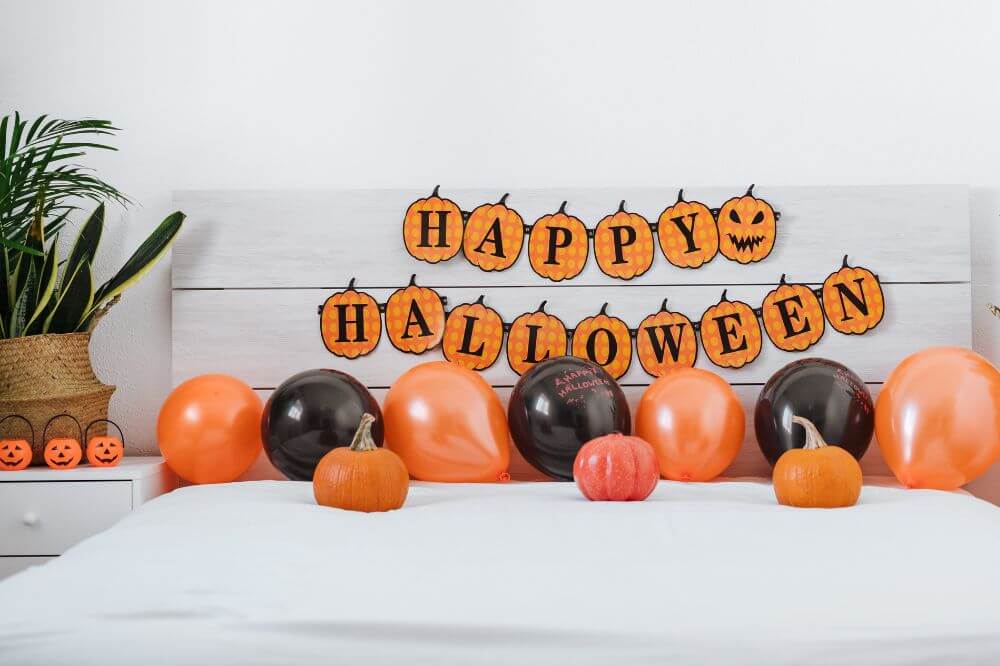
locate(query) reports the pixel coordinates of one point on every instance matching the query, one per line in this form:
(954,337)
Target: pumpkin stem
(413,280)
(663,306)
(435,192)
(562,208)
(749,191)
(782,280)
(503,200)
(844,265)
(604,310)
(680,195)
(541,308)
(621,206)
(723,298)
(363,437)
(350,285)
(814,440)
(479,301)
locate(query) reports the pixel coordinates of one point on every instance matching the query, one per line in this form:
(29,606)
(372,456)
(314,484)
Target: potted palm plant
(49,303)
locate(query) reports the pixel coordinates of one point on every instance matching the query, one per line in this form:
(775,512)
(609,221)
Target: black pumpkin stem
(479,301)
(621,206)
(562,208)
(435,192)
(541,307)
(350,285)
(844,265)
(604,310)
(503,200)
(782,280)
(413,280)
(680,196)
(363,436)
(723,298)
(663,306)
(749,191)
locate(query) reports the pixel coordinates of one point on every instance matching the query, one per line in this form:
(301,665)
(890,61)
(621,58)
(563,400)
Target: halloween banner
(794,318)
(689,233)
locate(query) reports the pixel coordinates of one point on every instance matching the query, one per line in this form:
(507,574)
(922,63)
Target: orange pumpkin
(730,333)
(558,245)
(362,476)
(605,341)
(473,335)
(493,237)
(664,341)
(432,228)
(747,228)
(350,323)
(688,234)
(819,476)
(105,450)
(534,337)
(623,244)
(15,454)
(414,318)
(853,299)
(62,452)
(793,317)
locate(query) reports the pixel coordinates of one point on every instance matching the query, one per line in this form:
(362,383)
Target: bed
(520,573)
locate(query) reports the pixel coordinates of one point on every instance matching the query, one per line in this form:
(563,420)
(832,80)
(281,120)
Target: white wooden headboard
(251,268)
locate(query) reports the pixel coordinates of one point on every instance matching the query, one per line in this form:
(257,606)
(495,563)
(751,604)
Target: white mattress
(255,573)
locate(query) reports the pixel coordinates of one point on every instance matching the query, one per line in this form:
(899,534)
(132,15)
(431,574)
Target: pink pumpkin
(616,467)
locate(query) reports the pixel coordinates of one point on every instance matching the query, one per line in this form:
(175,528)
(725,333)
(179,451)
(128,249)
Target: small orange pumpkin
(493,237)
(730,333)
(15,454)
(623,244)
(414,318)
(362,476)
(747,228)
(62,452)
(558,245)
(534,337)
(818,476)
(473,335)
(853,299)
(432,228)
(605,341)
(664,341)
(793,317)
(105,450)
(688,234)
(350,323)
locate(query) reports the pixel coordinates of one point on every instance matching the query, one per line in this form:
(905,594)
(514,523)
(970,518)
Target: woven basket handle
(30,427)
(117,427)
(59,416)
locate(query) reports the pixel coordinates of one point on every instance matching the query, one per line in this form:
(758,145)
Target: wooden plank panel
(323,238)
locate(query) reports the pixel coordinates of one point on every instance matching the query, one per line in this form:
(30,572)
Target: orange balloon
(695,422)
(209,429)
(447,424)
(937,418)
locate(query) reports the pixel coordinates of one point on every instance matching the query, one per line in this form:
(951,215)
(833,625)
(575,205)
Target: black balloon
(825,392)
(558,406)
(310,414)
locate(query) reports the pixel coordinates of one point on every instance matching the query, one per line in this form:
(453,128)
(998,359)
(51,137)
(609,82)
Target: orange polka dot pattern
(551,340)
(480,223)
(397,310)
(571,259)
(486,331)
(846,317)
(412,223)
(616,365)
(681,327)
(638,255)
(330,324)
(746,229)
(745,330)
(806,312)
(698,220)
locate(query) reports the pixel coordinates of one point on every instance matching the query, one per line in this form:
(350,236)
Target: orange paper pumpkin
(793,316)
(62,452)
(853,299)
(730,333)
(350,323)
(432,228)
(665,341)
(534,337)
(493,237)
(105,450)
(688,234)
(558,245)
(473,335)
(747,228)
(604,340)
(623,244)
(15,454)
(414,318)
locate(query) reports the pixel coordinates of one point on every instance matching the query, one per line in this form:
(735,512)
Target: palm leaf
(142,259)
(75,299)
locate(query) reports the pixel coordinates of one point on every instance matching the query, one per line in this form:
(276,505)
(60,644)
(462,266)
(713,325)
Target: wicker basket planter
(45,375)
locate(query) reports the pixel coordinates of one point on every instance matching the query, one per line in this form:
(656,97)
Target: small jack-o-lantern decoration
(105,450)
(534,337)
(494,235)
(414,318)
(687,232)
(604,340)
(853,300)
(62,452)
(730,333)
(432,228)
(793,317)
(558,245)
(664,341)
(746,228)
(473,335)
(350,323)
(15,454)
(623,244)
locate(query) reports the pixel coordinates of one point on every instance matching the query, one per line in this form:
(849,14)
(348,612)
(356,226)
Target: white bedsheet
(255,573)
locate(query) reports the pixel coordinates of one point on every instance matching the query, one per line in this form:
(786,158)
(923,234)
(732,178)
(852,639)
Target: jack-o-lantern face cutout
(473,335)
(414,318)
(105,450)
(730,333)
(793,317)
(687,232)
(350,323)
(63,453)
(605,341)
(853,299)
(746,228)
(623,244)
(15,454)
(664,341)
(494,235)
(558,245)
(432,228)
(534,337)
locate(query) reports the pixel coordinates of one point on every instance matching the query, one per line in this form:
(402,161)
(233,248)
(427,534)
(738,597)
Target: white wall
(395,94)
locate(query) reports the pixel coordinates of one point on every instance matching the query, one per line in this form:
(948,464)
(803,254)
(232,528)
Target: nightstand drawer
(46,518)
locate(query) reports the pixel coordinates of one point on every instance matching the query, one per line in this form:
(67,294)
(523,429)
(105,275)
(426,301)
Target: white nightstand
(45,511)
